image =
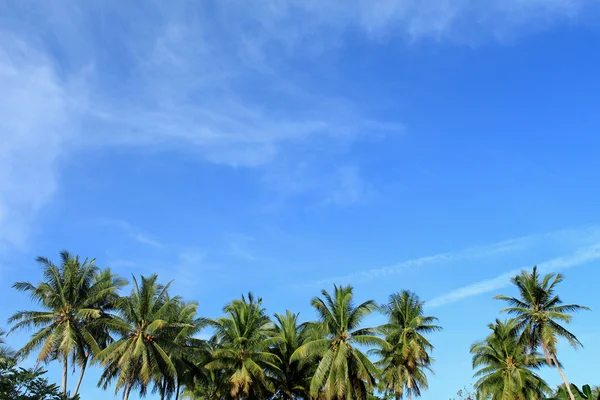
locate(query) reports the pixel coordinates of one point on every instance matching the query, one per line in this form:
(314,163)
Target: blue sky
(279,147)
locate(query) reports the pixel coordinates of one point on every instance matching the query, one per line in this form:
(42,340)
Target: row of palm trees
(148,340)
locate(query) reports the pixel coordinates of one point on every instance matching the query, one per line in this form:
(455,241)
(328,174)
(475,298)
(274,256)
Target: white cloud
(36,114)
(505,246)
(579,257)
(584,238)
(221,83)
(350,187)
(239,244)
(292,22)
(131,231)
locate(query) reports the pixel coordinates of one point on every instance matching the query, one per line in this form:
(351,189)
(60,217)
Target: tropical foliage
(149,341)
(586,393)
(76,299)
(18,383)
(244,340)
(540,316)
(344,371)
(291,376)
(26,384)
(405,361)
(505,370)
(148,331)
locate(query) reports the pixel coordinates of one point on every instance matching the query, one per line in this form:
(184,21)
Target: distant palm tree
(292,377)
(76,298)
(6,353)
(141,355)
(344,372)
(243,337)
(506,371)
(539,313)
(405,363)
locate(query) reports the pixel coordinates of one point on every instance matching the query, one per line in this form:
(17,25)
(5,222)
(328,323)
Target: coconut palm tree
(6,353)
(107,284)
(76,299)
(141,355)
(243,337)
(506,371)
(539,314)
(405,363)
(292,377)
(343,372)
(203,383)
(184,313)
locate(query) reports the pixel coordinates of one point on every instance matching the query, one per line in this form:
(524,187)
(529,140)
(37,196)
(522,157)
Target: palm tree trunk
(80,376)
(562,375)
(65,373)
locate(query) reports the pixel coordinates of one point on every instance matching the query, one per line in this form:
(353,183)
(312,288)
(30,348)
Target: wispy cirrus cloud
(133,232)
(583,239)
(351,188)
(579,257)
(505,246)
(37,114)
(227,81)
(239,246)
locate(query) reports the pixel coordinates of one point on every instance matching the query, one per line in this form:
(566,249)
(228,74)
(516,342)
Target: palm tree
(243,337)
(506,371)
(184,313)
(141,354)
(107,285)
(6,353)
(292,377)
(343,372)
(405,363)
(539,313)
(76,298)
(203,383)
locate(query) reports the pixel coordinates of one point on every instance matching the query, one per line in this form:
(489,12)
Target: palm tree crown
(506,372)
(344,372)
(292,377)
(147,338)
(243,337)
(76,298)
(6,353)
(405,363)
